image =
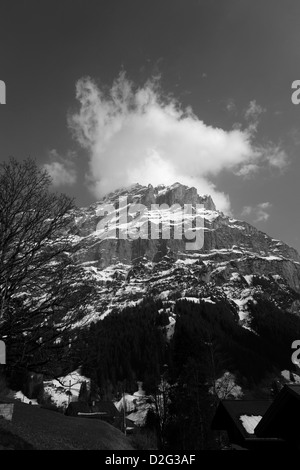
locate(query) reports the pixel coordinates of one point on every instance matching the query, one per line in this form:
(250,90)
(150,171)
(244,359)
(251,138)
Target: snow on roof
(250,422)
(138,417)
(20,396)
(296,378)
(129,401)
(291,377)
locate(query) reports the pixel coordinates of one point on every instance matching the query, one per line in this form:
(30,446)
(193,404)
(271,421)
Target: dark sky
(215,56)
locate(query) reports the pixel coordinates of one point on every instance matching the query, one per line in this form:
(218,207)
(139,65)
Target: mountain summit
(235,261)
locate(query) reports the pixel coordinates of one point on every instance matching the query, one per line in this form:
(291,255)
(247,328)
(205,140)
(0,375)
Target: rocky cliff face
(128,263)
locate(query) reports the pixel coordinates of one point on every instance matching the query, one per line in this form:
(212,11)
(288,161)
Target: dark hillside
(35,428)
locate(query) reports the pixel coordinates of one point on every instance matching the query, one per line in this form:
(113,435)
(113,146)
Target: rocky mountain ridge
(236,261)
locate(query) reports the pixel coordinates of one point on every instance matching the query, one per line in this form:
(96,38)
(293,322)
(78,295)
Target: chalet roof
(235,410)
(107,407)
(283,415)
(76,407)
(294,389)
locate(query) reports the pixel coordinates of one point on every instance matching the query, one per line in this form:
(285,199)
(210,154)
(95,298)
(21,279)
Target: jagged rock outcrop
(128,265)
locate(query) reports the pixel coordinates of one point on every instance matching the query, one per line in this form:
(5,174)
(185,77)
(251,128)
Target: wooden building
(262,424)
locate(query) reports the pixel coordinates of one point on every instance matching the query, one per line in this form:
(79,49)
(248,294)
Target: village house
(261,424)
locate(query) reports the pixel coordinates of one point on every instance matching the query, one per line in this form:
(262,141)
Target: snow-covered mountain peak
(235,259)
(176,193)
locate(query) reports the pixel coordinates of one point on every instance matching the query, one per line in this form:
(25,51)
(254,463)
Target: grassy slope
(45,429)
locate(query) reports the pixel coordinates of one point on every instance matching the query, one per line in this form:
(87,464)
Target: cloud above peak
(137,134)
(259,212)
(61,168)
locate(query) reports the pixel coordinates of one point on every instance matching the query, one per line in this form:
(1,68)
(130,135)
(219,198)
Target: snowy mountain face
(232,260)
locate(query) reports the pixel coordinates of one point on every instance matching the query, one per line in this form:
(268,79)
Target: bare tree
(162,402)
(42,289)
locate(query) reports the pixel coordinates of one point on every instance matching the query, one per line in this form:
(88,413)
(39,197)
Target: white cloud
(248,170)
(253,111)
(231,106)
(269,157)
(138,135)
(61,169)
(259,213)
(252,115)
(276,157)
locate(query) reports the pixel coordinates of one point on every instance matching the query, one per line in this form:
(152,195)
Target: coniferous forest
(208,341)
